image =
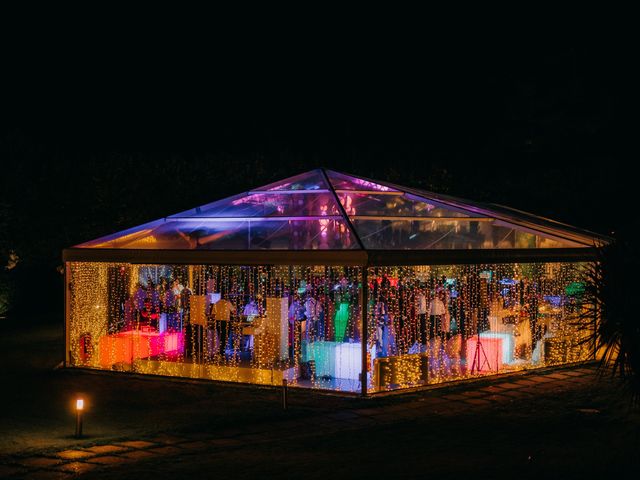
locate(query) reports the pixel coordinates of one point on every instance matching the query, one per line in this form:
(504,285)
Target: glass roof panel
(236,234)
(449,234)
(313,180)
(269,204)
(115,240)
(340,181)
(403,205)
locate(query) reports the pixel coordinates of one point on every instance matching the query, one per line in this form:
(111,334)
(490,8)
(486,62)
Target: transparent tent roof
(327,210)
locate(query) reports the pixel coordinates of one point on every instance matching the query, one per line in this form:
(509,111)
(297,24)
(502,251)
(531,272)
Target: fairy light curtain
(433,324)
(234,323)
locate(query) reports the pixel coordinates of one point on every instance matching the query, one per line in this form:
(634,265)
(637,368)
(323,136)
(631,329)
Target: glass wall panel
(431,324)
(253,324)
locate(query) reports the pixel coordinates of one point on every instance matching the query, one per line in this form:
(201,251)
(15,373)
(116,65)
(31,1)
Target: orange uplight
(80,404)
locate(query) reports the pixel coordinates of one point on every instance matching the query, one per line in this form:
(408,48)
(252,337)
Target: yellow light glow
(522,309)
(80,404)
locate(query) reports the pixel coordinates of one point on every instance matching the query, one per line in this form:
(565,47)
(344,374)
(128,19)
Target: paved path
(471,397)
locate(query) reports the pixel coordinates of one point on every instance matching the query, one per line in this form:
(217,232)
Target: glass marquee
(331,281)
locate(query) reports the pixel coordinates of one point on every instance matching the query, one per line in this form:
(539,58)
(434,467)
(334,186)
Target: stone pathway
(452,400)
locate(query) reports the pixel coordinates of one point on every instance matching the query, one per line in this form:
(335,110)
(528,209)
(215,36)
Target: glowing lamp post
(79,409)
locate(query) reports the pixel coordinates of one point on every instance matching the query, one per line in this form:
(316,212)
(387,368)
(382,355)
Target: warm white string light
(424,322)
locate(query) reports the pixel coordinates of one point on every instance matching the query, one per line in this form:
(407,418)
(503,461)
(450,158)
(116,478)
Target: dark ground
(562,424)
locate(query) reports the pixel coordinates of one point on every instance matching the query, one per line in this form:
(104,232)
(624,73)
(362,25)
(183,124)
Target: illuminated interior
(230,323)
(432,324)
(290,280)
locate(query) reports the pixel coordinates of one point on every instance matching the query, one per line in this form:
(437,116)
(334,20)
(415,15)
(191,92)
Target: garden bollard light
(284,393)
(79,409)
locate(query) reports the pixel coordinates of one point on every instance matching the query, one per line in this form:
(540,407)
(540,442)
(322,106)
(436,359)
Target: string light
(111,328)
(522,315)
(425,324)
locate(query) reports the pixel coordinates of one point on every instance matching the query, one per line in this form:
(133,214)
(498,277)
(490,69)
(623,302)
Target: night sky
(102,134)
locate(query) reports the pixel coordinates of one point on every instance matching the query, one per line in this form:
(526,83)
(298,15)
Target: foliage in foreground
(610,294)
